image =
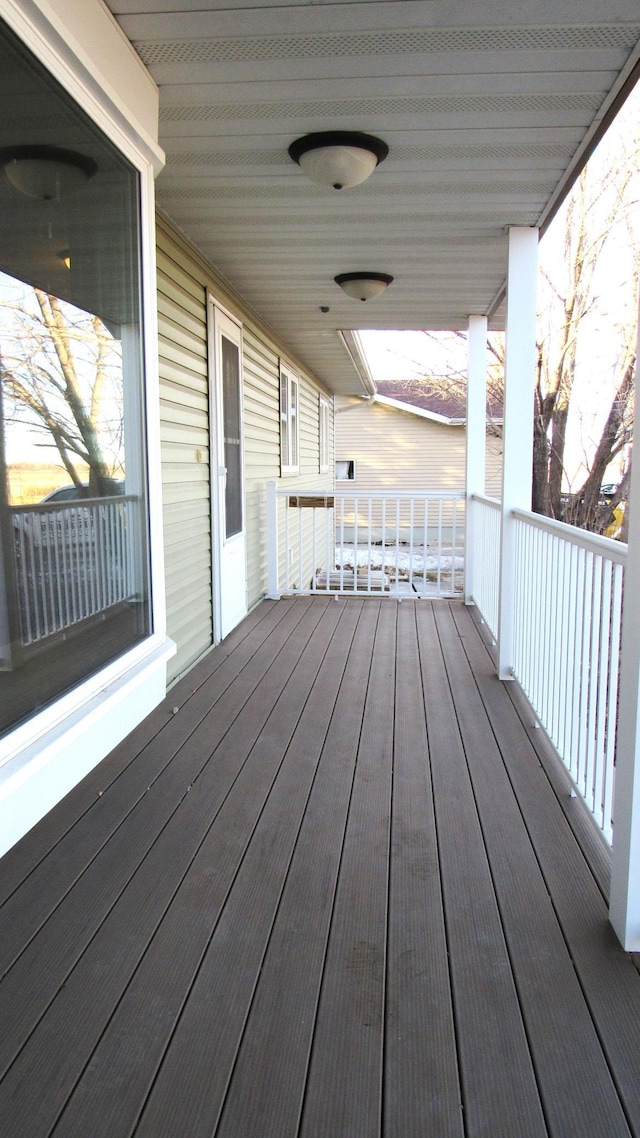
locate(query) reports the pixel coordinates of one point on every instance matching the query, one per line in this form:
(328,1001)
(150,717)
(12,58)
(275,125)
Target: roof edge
(421,412)
(355,350)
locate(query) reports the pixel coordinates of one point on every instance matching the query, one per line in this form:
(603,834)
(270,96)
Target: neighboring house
(386,443)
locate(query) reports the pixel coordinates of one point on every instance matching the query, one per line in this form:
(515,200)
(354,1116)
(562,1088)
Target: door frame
(217,316)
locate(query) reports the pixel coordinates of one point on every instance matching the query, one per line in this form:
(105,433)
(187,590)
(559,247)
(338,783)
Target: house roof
(420,412)
(449,405)
(488,110)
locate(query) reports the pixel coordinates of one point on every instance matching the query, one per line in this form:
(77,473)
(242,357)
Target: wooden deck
(327,890)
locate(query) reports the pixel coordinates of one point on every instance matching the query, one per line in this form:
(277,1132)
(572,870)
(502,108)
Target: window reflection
(73,519)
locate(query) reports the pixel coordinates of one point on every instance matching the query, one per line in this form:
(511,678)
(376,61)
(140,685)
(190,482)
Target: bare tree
(574,314)
(591,252)
(448,383)
(61,376)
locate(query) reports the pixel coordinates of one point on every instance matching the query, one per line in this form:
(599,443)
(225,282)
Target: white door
(228,552)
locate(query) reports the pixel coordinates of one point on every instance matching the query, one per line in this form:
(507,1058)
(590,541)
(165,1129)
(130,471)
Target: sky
(403,355)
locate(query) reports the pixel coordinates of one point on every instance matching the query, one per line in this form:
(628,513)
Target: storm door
(228,528)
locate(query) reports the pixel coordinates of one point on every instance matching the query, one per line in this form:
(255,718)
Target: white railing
(485,558)
(398,544)
(71,561)
(567,647)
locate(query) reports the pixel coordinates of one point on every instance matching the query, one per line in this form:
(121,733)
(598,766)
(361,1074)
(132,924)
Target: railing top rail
(293,491)
(615,551)
(70,504)
(485,501)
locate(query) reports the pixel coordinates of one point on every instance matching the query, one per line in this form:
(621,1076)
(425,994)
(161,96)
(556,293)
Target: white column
(476,437)
(624,897)
(517,450)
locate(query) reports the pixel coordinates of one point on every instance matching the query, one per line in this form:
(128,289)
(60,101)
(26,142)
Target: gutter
(353,347)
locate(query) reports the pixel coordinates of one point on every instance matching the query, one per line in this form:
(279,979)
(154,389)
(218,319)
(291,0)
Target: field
(29,482)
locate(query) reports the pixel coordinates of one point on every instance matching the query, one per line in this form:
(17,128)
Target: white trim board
(42,774)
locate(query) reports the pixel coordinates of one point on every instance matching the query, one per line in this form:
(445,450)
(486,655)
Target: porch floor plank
(334,893)
(20,861)
(606,973)
(422,1088)
(110,880)
(344,1086)
(578,1096)
(498,1081)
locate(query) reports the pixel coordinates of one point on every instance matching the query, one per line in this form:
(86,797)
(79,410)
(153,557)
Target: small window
(346,470)
(289,425)
(323,412)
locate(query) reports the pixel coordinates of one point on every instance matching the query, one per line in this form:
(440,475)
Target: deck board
(578,1095)
(136,782)
(344,1086)
(500,1093)
(422,1092)
(334,893)
(606,973)
(203,1051)
(128,884)
(266,1092)
(20,861)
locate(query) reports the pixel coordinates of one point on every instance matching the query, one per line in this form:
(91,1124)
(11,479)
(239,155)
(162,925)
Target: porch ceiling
(486,108)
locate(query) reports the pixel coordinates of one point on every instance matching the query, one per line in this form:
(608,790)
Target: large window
(74,580)
(289,426)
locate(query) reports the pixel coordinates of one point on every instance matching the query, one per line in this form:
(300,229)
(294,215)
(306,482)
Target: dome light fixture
(46,173)
(363,286)
(338,158)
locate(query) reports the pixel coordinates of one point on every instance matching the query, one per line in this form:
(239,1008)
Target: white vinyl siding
(397,450)
(324,418)
(261,451)
(184,280)
(493,465)
(184,412)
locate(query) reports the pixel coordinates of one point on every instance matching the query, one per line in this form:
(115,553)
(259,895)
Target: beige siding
(261,451)
(262,454)
(184,416)
(396,450)
(493,471)
(184,281)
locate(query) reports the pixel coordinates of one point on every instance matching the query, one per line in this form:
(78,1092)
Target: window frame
(346,462)
(60,743)
(289,420)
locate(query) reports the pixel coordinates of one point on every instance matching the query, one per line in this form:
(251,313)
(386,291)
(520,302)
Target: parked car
(71,492)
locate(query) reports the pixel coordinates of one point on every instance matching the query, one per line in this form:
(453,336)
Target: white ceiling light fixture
(338,158)
(46,173)
(363,286)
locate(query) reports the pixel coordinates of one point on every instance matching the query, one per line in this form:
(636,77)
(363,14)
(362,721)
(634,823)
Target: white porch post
(624,897)
(476,438)
(517,450)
